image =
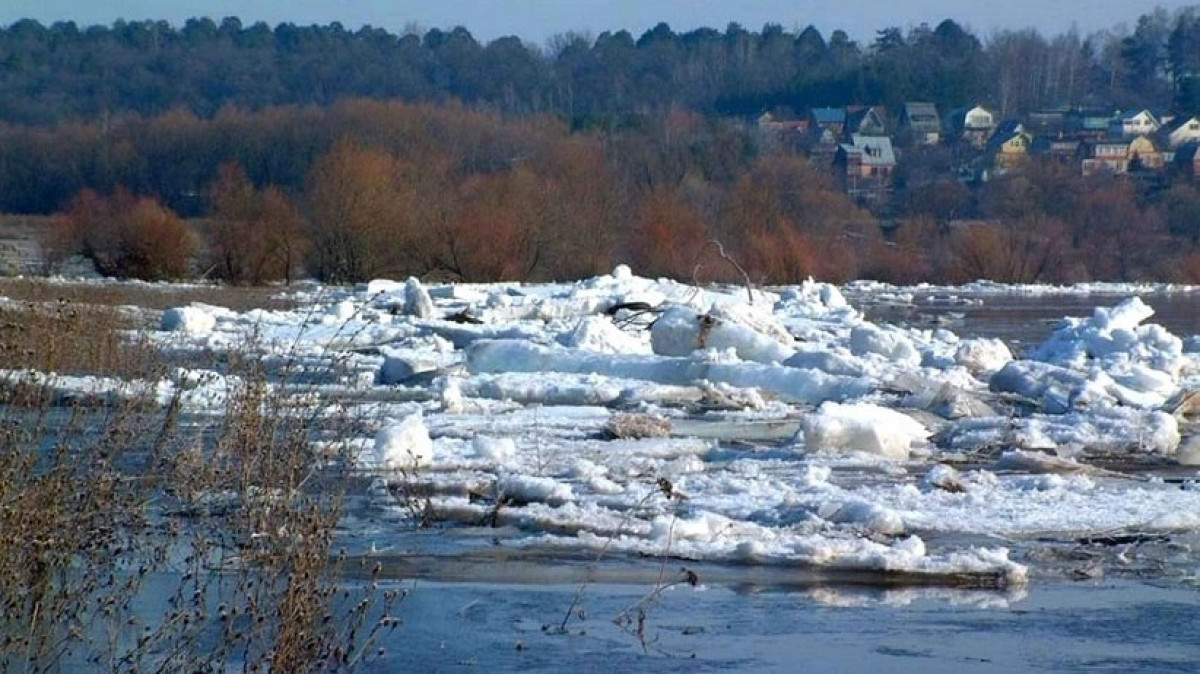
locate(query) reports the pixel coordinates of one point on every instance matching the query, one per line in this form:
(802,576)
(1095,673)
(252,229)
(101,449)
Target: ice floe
(778,428)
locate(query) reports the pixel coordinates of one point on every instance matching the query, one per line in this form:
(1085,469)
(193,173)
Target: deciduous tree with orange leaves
(253,236)
(130,237)
(354,202)
(668,236)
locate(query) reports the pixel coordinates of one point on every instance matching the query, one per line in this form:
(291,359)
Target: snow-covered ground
(627,416)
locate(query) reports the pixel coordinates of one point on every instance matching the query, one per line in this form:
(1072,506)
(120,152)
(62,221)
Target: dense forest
(67,73)
(351,155)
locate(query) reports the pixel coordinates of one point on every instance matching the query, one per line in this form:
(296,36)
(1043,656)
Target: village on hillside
(863,145)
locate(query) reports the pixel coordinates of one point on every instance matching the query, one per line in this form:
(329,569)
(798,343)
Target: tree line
(364,189)
(65,73)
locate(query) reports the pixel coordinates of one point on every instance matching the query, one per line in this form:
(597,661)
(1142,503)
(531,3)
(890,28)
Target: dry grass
(96,329)
(71,338)
(154,296)
(132,541)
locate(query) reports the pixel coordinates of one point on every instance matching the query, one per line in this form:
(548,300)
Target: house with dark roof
(1120,156)
(865,120)
(828,119)
(1009,146)
(1105,157)
(1061,148)
(1088,123)
(1134,124)
(920,123)
(1180,132)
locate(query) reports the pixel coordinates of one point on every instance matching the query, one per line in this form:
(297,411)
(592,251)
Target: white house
(1134,124)
(1182,132)
(978,123)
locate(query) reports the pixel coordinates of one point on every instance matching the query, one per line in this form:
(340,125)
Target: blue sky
(537,20)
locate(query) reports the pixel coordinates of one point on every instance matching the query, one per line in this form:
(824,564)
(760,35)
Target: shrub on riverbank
(133,537)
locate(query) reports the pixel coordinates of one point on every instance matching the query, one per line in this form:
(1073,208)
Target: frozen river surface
(866,478)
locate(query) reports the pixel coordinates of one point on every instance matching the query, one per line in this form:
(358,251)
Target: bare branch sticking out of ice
(864,428)
(600,335)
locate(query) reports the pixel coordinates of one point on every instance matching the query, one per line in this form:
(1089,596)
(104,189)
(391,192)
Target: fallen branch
(725,256)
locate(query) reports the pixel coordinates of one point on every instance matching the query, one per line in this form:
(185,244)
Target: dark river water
(1063,627)
(1021,320)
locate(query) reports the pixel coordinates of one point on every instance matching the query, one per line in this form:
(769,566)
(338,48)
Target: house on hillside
(920,123)
(1060,148)
(778,128)
(827,119)
(1134,124)
(1144,155)
(780,121)
(865,167)
(867,120)
(1180,132)
(1088,123)
(825,127)
(973,127)
(1105,157)
(1118,157)
(1009,147)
